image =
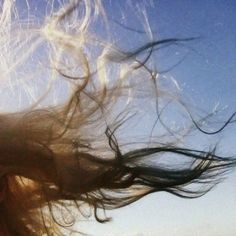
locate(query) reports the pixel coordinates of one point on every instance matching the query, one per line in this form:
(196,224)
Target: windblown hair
(81,150)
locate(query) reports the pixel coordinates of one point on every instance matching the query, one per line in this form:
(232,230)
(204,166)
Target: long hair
(78,151)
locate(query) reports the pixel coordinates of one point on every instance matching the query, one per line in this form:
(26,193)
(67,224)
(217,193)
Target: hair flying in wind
(69,138)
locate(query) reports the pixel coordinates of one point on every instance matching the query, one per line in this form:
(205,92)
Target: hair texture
(71,143)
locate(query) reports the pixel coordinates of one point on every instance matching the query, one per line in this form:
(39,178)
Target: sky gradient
(206,76)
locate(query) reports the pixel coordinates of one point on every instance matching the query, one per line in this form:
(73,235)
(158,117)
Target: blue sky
(207,76)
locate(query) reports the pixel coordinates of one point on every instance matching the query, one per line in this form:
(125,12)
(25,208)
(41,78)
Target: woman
(77,152)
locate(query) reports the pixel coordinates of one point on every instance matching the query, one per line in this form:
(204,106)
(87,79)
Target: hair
(74,144)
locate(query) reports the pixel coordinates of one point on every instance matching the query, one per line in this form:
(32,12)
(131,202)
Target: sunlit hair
(70,141)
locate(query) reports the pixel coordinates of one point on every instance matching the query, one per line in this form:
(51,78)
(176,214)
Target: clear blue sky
(207,76)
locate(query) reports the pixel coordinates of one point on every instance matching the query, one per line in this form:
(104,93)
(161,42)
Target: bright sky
(207,76)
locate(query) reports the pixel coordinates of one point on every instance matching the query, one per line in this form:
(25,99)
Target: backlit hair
(72,143)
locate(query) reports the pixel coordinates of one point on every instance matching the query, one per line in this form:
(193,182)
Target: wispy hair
(72,141)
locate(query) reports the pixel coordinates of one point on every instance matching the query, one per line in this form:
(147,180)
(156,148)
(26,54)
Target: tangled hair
(74,145)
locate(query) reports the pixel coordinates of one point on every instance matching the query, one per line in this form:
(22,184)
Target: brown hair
(78,152)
